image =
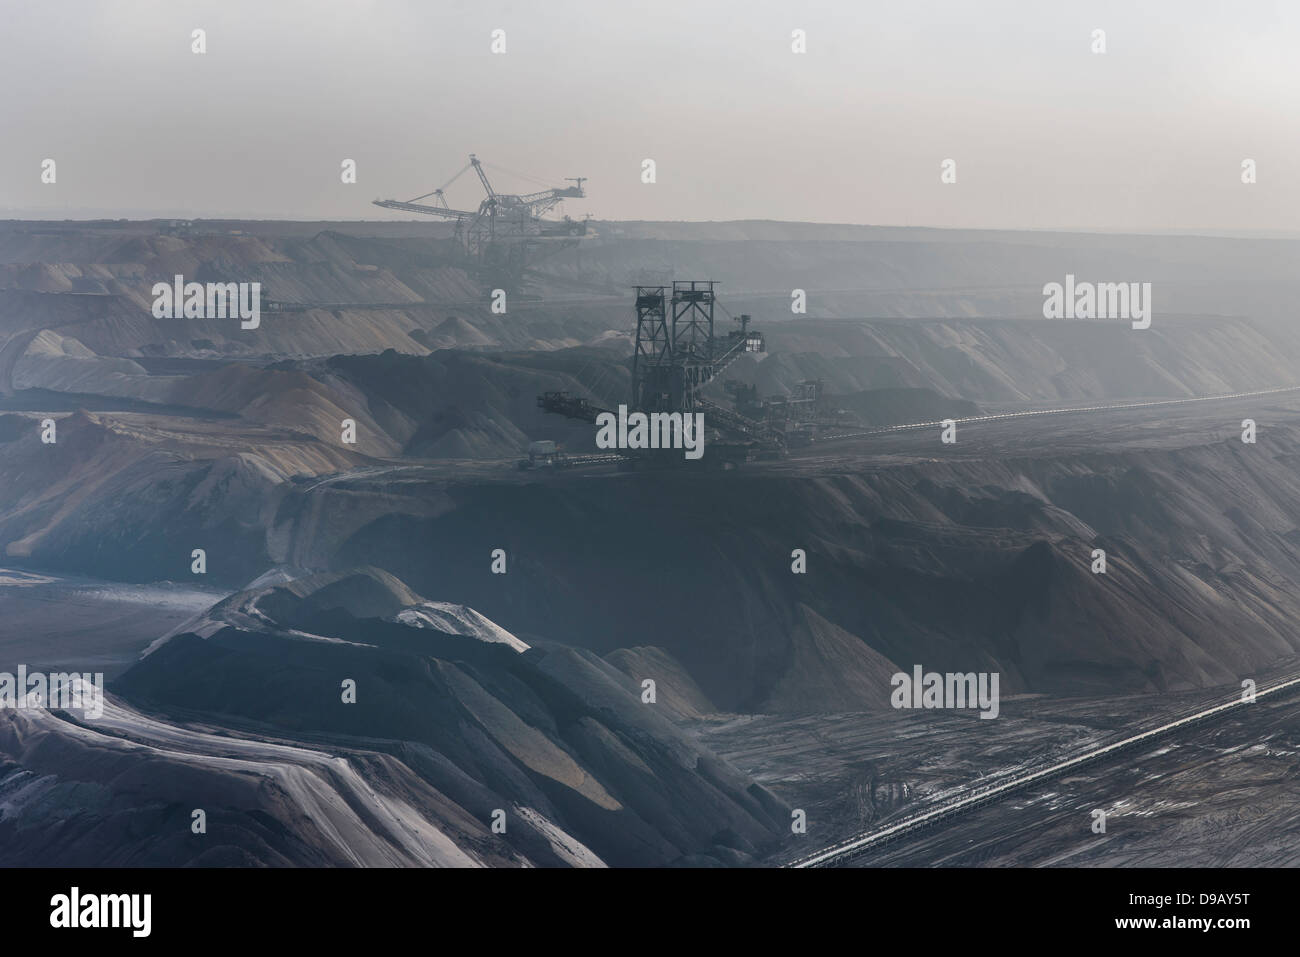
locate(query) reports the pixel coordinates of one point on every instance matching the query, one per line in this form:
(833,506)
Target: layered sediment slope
(1012,361)
(980,564)
(342,719)
(454,404)
(979,559)
(129,497)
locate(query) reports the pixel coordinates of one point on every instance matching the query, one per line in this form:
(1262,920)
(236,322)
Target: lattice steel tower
(693,344)
(652,358)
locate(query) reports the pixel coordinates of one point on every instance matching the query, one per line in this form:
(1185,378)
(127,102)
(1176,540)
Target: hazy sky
(1045,133)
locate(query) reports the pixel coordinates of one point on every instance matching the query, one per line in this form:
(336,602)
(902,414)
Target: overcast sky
(1045,133)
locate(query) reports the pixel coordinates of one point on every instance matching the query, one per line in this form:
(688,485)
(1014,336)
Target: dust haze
(1149,136)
